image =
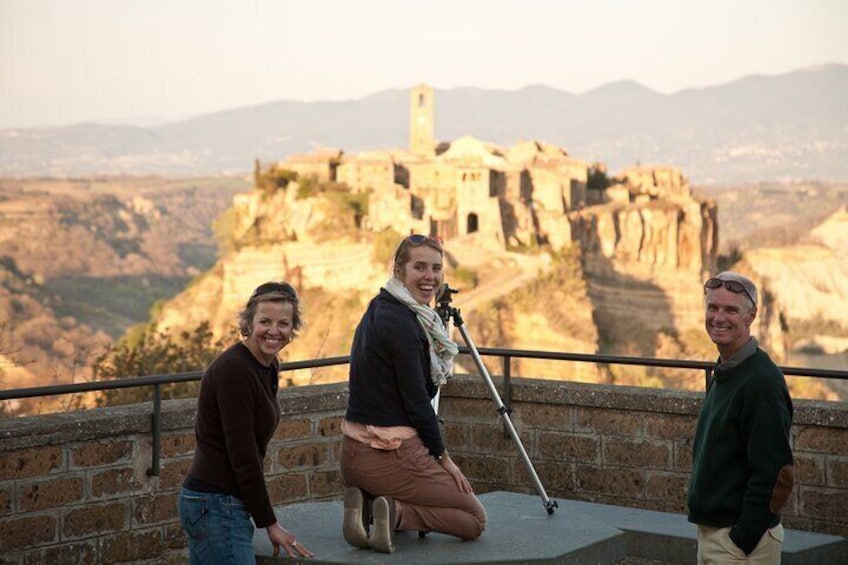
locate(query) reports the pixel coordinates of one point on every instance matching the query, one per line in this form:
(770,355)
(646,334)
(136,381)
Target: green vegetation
(598,179)
(109,304)
(202,256)
(124,247)
(531,248)
(555,295)
(384,246)
(273,179)
(10,265)
(147,352)
(725,262)
(344,212)
(464,278)
(307,187)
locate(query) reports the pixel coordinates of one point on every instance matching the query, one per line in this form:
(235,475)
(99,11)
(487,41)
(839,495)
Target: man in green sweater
(742,467)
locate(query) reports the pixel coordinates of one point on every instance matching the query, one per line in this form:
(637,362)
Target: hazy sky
(139,61)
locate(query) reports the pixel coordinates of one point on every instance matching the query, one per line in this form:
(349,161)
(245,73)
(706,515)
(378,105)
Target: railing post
(708,375)
(153,471)
(507,392)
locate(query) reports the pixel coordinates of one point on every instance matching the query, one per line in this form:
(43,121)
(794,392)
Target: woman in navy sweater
(393,458)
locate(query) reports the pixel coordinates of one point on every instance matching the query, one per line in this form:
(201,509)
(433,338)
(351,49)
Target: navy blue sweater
(390,382)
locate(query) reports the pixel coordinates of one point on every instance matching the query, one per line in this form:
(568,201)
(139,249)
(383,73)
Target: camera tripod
(446,312)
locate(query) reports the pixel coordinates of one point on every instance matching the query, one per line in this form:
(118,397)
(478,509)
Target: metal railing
(506,355)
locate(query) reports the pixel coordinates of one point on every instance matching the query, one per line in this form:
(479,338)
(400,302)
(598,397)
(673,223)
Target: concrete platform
(520,531)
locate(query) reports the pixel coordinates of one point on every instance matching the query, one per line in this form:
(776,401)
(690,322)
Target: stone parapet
(74,487)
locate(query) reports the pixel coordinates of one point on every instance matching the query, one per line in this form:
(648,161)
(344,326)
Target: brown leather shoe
(381,536)
(357,516)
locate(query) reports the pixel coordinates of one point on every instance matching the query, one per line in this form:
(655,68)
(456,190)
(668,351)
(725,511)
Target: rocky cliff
(809,281)
(633,275)
(645,264)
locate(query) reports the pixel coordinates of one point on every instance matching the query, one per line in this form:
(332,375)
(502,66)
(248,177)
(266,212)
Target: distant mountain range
(760,128)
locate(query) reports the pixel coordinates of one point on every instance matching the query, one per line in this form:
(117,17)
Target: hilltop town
(550,250)
(515,196)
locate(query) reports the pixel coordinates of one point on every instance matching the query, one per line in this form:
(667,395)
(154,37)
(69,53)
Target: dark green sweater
(742,470)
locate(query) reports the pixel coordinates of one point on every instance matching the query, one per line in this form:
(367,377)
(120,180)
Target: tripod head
(443,300)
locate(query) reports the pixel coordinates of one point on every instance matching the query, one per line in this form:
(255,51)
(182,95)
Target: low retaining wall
(74,487)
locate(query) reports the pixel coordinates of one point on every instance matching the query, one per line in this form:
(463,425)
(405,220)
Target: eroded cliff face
(656,235)
(811,277)
(633,288)
(809,280)
(645,264)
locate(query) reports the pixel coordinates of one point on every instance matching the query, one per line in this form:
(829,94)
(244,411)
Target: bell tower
(421,127)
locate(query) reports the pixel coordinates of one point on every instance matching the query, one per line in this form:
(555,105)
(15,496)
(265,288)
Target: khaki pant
(427,496)
(716,548)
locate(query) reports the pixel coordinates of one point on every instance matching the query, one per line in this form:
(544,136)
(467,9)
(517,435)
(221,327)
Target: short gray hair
(748,286)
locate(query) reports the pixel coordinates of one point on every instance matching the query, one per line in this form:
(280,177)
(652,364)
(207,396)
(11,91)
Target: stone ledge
(621,397)
(521,531)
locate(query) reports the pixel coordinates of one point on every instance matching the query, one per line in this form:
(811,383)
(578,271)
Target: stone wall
(74,487)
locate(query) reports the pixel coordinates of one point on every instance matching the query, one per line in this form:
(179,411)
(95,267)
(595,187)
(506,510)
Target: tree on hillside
(146,351)
(598,179)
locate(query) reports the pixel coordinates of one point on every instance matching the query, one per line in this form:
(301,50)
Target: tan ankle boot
(381,537)
(357,516)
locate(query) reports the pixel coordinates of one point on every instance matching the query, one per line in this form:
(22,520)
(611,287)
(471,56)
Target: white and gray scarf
(442,348)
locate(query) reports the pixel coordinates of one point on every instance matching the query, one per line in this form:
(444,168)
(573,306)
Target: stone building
(421,124)
(519,195)
(320,165)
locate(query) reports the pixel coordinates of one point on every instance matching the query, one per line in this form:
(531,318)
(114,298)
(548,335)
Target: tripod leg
(549,504)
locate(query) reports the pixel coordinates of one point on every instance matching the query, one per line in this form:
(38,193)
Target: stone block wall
(75,488)
(631,446)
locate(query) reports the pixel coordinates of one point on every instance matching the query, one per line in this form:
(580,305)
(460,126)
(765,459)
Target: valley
(83,260)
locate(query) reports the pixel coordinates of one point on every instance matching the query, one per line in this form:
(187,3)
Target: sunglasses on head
(417,239)
(732,286)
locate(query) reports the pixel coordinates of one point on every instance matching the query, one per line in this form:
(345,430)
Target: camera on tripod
(443,300)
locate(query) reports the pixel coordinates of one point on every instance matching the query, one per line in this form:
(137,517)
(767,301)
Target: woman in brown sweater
(237,413)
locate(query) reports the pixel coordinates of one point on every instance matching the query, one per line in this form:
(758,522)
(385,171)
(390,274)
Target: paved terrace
(521,531)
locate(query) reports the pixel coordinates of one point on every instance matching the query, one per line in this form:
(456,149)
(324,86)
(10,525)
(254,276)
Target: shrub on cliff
(145,351)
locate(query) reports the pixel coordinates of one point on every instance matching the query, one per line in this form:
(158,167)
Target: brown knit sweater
(237,413)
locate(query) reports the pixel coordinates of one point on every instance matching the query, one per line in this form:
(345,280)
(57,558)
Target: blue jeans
(218,527)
